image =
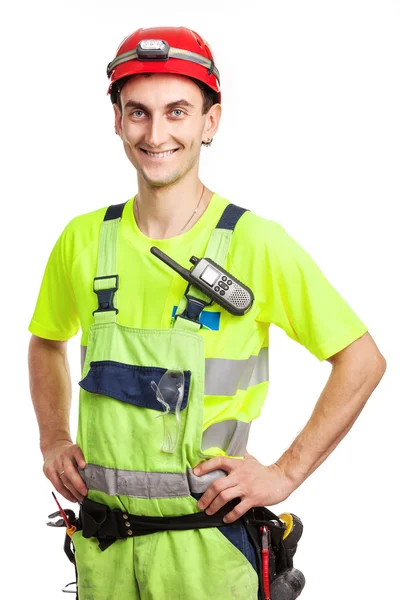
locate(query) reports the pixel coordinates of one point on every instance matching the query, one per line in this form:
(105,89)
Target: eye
(178,110)
(133,113)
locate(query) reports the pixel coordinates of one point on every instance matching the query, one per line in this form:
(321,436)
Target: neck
(164,212)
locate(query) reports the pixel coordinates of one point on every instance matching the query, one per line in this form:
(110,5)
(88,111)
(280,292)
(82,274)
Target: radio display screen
(210,275)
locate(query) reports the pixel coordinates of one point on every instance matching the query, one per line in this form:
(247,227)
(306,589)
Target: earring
(208,142)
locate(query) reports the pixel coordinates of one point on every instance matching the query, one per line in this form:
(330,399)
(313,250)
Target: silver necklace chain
(194,212)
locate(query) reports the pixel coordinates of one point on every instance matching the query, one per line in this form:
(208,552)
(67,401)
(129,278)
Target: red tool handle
(265,563)
(63,514)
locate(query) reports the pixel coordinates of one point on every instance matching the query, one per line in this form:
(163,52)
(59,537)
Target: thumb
(80,459)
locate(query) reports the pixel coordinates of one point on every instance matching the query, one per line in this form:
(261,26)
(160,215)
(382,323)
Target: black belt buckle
(106,297)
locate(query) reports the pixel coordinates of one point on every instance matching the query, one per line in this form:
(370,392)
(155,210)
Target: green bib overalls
(121,431)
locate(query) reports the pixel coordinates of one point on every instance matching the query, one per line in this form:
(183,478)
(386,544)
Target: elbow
(376,368)
(364,356)
(380,366)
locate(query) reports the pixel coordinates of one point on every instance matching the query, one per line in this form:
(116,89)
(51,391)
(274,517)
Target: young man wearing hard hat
(175,360)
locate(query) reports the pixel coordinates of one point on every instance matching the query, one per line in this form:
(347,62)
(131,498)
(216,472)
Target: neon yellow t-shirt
(289,288)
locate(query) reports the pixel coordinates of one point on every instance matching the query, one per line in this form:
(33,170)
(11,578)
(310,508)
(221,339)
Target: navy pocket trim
(237,535)
(128,383)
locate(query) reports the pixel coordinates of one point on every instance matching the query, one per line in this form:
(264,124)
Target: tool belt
(274,545)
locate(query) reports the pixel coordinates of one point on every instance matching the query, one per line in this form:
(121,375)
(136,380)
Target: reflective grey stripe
(231,436)
(260,373)
(224,376)
(141,484)
(83,356)
(118,60)
(193,57)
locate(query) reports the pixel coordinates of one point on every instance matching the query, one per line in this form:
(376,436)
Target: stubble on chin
(167,180)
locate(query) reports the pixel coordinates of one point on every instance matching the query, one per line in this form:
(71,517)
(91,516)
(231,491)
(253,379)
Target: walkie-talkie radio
(214,281)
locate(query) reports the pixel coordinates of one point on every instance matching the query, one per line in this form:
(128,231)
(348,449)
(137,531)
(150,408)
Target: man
(148,339)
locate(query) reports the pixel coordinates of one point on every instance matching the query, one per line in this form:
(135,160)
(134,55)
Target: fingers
(218,489)
(61,489)
(217,462)
(238,511)
(220,499)
(72,480)
(61,480)
(78,456)
(61,469)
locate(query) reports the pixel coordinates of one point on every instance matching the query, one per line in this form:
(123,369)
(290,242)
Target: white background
(309,137)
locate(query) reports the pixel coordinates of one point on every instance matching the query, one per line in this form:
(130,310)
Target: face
(162,126)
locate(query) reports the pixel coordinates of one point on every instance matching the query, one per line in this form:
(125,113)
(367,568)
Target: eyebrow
(135,104)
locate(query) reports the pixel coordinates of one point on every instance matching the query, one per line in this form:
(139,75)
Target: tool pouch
(284,581)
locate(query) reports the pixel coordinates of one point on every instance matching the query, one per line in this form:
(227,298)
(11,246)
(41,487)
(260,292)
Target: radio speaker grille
(239,298)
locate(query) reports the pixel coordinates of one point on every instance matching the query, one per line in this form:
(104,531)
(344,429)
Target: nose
(157,132)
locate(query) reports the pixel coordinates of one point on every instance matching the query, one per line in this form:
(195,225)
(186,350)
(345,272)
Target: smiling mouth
(159,155)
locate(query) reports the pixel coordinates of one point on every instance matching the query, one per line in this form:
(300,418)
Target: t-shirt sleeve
(56,314)
(301,301)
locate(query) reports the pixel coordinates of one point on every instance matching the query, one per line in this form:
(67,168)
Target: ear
(211,125)
(118,120)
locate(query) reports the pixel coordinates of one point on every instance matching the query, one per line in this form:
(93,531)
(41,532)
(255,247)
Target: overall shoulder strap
(105,284)
(217,250)
(220,239)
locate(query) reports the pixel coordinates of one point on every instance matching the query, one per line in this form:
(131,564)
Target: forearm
(339,405)
(50,386)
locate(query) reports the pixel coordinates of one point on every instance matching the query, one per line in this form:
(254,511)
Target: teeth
(160,154)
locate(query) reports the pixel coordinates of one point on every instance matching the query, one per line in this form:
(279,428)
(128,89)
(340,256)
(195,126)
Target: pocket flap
(129,383)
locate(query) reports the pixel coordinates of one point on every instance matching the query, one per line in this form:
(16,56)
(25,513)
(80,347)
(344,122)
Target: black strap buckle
(193,308)
(106,297)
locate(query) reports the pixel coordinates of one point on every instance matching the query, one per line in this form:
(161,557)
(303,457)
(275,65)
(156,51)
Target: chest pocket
(138,385)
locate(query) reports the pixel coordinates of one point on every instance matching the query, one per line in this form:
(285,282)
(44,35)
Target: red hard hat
(165,50)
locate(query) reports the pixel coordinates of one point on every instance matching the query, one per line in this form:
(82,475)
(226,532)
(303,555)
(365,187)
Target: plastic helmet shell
(176,37)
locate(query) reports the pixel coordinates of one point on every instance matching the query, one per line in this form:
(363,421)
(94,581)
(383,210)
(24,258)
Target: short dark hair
(210,97)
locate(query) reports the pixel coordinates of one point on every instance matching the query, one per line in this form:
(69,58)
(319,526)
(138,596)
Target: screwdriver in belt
(70,528)
(265,541)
